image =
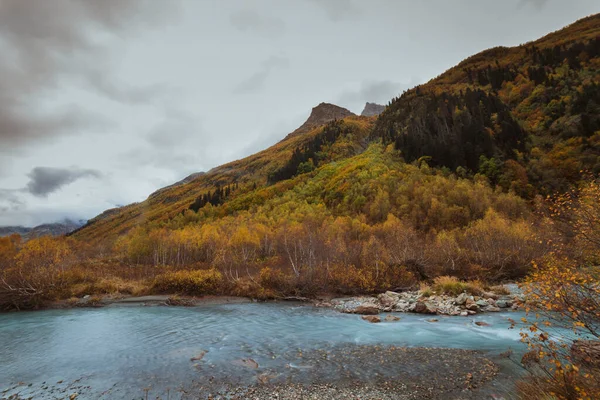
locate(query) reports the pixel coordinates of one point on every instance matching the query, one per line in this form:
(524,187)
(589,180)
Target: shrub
(448,285)
(195,282)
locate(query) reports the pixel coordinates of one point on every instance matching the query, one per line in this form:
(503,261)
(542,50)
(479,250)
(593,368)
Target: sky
(104,102)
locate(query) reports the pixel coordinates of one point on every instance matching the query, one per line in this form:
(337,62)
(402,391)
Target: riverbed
(190,352)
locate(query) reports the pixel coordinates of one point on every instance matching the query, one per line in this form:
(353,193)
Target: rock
(464,314)
(461,299)
(392,318)
(586,352)
(482,303)
(387,301)
(422,307)
(491,309)
(503,303)
(374,319)
(367,309)
(87,296)
(471,305)
(402,306)
(246,362)
(433,320)
(73,396)
(481,323)
(199,357)
(471,312)
(490,295)
(393,294)
(491,302)
(372,109)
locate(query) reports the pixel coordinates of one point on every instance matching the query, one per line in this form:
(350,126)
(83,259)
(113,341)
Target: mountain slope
(239,176)
(533,109)
(53,229)
(527,118)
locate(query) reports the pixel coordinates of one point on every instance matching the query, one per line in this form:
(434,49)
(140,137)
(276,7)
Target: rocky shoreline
(418,302)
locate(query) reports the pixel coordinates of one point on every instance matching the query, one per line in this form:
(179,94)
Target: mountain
(372,109)
(322,114)
(53,229)
(526,119)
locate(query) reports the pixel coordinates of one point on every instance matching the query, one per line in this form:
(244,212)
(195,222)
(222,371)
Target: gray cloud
(257,81)
(45,180)
(338,10)
(538,4)
(248,20)
(47,42)
(373,91)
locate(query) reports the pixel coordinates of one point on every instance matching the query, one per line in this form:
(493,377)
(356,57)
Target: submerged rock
(374,319)
(392,318)
(367,309)
(246,362)
(481,323)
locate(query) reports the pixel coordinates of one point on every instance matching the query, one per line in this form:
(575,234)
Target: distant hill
(54,229)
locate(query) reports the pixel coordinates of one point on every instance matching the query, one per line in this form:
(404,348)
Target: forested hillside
(452,178)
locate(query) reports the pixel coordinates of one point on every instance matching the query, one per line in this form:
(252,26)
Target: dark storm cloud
(257,81)
(249,20)
(45,42)
(45,180)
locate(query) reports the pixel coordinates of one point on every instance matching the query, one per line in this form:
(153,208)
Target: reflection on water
(126,348)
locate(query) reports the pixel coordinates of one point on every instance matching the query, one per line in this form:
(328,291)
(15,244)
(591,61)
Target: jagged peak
(372,109)
(321,114)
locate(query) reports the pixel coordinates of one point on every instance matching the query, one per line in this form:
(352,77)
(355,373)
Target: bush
(448,285)
(195,282)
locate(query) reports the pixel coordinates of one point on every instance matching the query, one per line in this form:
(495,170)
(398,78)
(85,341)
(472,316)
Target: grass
(190,282)
(451,285)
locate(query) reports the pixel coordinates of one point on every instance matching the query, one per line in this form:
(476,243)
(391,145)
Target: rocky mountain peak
(322,114)
(372,109)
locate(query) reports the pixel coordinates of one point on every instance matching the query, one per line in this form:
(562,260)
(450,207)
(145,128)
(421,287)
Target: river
(130,351)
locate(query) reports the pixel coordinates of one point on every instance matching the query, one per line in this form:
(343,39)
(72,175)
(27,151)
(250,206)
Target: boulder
(482,303)
(374,319)
(490,295)
(464,314)
(461,299)
(392,318)
(503,303)
(433,320)
(481,323)
(402,306)
(367,309)
(491,309)
(387,301)
(422,307)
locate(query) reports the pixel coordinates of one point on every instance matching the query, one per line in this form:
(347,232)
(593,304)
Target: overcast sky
(103,102)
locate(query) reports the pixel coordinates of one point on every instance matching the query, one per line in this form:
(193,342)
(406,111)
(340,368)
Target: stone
(492,309)
(482,303)
(422,307)
(386,300)
(374,319)
(367,309)
(73,396)
(464,314)
(481,323)
(246,362)
(491,302)
(433,320)
(199,356)
(461,299)
(502,304)
(87,296)
(471,312)
(490,295)
(392,318)
(402,306)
